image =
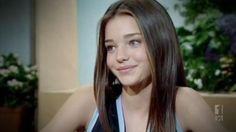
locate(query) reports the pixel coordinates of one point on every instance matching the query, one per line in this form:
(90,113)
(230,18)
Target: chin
(125,82)
(128,82)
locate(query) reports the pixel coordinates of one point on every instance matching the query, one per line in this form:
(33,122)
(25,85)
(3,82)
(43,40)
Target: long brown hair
(164,57)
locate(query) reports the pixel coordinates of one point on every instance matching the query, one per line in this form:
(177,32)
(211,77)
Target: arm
(75,113)
(195,113)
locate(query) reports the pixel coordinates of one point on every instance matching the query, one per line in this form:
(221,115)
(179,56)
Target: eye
(134,43)
(110,48)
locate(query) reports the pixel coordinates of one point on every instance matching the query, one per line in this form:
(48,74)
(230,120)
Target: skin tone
(128,61)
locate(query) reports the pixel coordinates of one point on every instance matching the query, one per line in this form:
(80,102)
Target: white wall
(57,55)
(89,13)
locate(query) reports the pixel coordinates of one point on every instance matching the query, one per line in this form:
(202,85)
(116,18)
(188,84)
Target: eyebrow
(125,36)
(131,34)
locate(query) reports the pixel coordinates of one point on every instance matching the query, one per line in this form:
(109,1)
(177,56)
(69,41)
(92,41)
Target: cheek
(141,56)
(109,61)
(142,59)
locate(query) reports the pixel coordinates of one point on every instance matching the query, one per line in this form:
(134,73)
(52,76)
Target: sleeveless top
(116,119)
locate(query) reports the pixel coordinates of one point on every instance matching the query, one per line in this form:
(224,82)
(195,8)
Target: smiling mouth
(125,69)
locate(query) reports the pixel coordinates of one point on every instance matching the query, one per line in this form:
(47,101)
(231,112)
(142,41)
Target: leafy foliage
(18,82)
(209,65)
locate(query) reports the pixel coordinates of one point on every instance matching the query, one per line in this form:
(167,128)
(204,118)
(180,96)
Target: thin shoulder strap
(120,114)
(92,121)
(178,126)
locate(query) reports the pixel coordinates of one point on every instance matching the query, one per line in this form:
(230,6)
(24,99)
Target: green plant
(18,82)
(191,9)
(208,64)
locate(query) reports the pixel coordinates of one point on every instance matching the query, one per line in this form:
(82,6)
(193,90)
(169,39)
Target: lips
(125,69)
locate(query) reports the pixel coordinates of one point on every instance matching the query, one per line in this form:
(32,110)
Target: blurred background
(48,51)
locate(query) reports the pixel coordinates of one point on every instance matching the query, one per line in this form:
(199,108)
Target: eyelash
(134,42)
(110,48)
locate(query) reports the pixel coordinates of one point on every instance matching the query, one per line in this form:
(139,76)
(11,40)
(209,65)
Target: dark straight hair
(164,56)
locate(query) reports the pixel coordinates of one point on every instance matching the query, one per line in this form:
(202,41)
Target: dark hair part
(164,57)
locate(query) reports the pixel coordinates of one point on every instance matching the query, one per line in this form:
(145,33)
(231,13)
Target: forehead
(120,25)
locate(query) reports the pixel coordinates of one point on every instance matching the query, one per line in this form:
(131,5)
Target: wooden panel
(225,102)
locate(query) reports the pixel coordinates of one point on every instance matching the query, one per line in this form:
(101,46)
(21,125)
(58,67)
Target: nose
(121,54)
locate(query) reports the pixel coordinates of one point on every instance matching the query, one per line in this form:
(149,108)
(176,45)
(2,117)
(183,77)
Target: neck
(137,99)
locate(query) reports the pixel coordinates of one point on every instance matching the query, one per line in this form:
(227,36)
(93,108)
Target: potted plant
(18,84)
(208,44)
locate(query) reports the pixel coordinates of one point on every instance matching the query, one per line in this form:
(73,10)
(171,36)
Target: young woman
(139,82)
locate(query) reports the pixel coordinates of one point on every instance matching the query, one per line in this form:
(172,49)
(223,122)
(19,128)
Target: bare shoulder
(75,112)
(186,95)
(85,101)
(84,97)
(194,113)
(85,94)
